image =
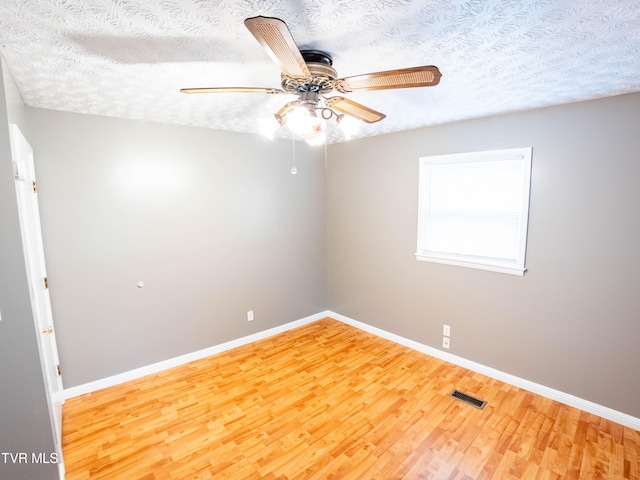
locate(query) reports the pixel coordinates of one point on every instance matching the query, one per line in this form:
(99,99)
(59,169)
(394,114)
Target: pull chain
(325,157)
(294,170)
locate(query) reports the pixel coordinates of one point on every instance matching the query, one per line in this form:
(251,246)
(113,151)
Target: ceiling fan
(309,75)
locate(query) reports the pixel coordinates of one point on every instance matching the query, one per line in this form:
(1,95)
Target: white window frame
(514,266)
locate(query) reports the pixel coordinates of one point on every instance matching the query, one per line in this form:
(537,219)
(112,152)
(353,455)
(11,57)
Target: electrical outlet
(250,316)
(446,330)
(445,342)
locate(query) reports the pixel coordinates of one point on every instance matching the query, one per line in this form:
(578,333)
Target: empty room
(319,239)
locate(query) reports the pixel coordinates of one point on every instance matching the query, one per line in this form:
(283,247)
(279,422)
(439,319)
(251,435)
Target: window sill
(480,266)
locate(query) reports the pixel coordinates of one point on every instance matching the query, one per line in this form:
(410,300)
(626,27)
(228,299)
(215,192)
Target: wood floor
(328,401)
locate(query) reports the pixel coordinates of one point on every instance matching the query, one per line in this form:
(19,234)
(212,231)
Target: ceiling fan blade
(425,76)
(232,90)
(354,109)
(275,37)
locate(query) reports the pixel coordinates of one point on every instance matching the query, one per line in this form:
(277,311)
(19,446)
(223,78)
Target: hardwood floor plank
(329,401)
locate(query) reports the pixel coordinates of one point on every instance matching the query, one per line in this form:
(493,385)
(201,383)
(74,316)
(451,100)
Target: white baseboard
(565,398)
(181,360)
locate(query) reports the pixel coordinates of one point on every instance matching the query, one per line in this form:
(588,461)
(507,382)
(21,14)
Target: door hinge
(34,186)
(46,282)
(58,370)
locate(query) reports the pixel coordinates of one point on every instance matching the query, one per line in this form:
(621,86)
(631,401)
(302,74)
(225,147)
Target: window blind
(474,207)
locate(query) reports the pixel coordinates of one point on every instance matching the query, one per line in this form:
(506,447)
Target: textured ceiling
(129,58)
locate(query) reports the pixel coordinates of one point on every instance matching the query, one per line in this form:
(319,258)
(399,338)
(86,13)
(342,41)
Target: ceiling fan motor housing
(323,75)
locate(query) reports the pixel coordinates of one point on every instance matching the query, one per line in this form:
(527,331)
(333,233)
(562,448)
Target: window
(473,209)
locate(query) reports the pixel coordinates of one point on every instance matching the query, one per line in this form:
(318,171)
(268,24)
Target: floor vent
(474,402)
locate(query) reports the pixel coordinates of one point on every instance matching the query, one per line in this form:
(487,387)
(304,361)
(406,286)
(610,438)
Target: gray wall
(24,417)
(573,321)
(213,223)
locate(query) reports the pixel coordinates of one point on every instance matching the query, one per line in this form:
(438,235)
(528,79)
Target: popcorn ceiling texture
(129,58)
